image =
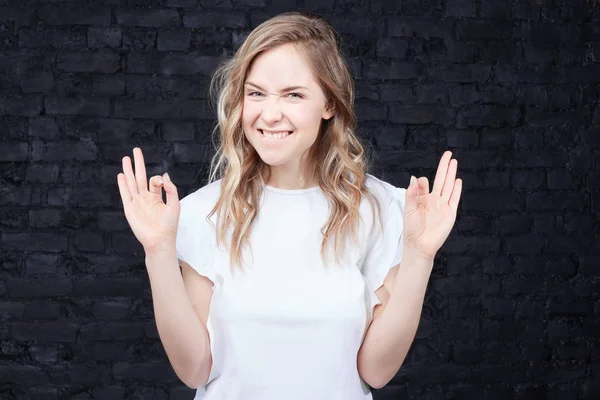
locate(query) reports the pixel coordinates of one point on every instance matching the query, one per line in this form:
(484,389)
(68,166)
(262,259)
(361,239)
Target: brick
(390,137)
(506,74)
(482,29)
(90,197)
(88,242)
(494,116)
(112,310)
(554,201)
(13,151)
(391,70)
(395,48)
(73,37)
(183,131)
(108,85)
(100,37)
(22,374)
(191,63)
(150,17)
(46,287)
(463,95)
(406,26)
(85,374)
(161,109)
(109,393)
(462,138)
(77,105)
(38,82)
(112,330)
(109,350)
(42,309)
(43,127)
(145,372)
(419,114)
(74,14)
(431,94)
(10,310)
(112,221)
(138,38)
(21,105)
(461,74)
(101,61)
(206,19)
(59,151)
(34,241)
(91,286)
(400,92)
(460,8)
(371,111)
(173,40)
(53,331)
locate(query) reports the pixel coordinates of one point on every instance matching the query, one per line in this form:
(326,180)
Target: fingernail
(412,180)
(167,176)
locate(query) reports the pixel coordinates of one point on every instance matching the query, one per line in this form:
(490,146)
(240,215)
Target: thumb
(411,192)
(413,187)
(170,189)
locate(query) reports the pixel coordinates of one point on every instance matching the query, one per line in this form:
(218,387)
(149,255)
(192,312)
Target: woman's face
(282,97)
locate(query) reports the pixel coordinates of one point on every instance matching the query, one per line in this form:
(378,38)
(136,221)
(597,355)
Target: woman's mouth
(273,135)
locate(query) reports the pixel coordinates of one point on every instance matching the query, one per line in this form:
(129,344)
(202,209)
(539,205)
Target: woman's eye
(293,95)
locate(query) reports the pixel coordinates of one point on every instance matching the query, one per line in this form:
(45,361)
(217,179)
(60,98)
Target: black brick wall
(510,86)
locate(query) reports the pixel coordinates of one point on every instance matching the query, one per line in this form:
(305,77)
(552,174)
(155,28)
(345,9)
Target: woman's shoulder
(384,191)
(202,200)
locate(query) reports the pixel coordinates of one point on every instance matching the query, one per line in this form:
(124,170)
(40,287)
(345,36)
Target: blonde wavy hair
(342,162)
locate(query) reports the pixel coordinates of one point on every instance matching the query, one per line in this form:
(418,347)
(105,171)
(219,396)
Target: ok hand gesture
(430,216)
(153,222)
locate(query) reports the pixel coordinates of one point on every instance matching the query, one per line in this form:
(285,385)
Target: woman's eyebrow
(287,89)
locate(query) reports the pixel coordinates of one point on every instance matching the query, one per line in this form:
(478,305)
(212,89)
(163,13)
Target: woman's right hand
(153,222)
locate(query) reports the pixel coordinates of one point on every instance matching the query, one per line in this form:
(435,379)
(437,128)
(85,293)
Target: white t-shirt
(287,327)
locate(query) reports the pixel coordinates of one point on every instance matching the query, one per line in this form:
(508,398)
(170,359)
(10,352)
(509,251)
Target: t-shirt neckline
(292,191)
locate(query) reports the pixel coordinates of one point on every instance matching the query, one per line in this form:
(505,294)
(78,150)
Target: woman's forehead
(280,67)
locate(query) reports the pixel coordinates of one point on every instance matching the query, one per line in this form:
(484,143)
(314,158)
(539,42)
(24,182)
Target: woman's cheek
(248,112)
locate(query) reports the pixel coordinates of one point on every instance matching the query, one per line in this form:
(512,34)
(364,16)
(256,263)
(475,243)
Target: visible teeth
(275,135)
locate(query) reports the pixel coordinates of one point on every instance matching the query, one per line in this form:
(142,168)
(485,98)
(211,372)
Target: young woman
(303,276)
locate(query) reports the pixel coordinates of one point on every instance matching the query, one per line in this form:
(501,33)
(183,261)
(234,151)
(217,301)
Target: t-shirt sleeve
(193,243)
(385,247)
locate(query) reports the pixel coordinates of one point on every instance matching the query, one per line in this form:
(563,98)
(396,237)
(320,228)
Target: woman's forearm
(181,332)
(391,334)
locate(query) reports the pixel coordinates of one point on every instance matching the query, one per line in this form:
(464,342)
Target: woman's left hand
(429,217)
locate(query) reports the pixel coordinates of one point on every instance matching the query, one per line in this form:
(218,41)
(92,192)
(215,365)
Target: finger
(450,179)
(422,190)
(456,194)
(423,185)
(411,197)
(440,176)
(156,184)
(140,169)
(171,189)
(123,190)
(129,177)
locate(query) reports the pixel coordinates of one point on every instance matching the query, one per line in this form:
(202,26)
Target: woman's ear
(328,112)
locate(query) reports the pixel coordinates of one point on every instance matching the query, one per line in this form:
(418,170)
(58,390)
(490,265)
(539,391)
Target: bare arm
(181,308)
(395,321)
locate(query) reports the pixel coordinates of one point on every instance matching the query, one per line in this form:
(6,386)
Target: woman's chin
(273,161)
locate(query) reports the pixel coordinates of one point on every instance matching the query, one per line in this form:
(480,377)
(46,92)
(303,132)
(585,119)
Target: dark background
(510,86)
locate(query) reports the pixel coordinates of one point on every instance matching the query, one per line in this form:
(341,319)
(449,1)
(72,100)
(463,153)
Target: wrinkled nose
(271,111)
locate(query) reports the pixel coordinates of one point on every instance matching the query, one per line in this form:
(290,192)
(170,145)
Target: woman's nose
(272,109)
